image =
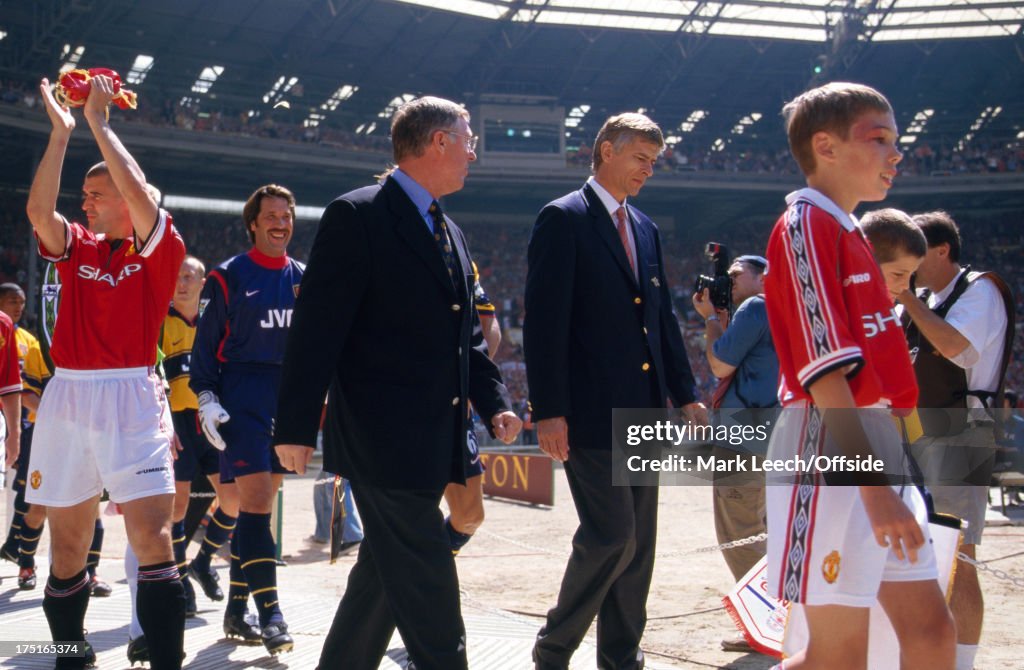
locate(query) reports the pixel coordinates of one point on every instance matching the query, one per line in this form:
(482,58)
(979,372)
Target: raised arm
(946,339)
(42,198)
(713,331)
(126,173)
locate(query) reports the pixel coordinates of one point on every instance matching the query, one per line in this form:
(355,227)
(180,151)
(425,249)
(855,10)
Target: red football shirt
(10,370)
(828,307)
(113,297)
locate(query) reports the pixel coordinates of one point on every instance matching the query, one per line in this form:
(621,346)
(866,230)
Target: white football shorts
(821,549)
(99,429)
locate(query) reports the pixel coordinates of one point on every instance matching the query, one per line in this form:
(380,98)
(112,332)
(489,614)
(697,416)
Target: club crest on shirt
(36,479)
(202,305)
(830,567)
(295,289)
(656,282)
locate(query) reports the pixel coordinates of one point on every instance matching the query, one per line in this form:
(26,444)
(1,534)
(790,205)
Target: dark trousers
(609,571)
(405,577)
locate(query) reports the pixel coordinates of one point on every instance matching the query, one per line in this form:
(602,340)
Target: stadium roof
(809,20)
(348,63)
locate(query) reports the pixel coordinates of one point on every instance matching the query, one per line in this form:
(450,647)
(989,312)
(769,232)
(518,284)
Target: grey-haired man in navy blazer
(399,381)
(600,333)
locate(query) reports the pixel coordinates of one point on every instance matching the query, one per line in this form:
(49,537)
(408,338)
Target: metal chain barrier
(753,539)
(995,572)
(476,603)
(522,545)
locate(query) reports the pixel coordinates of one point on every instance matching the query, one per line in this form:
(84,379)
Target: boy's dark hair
(252,206)
(831,108)
(892,234)
(939,228)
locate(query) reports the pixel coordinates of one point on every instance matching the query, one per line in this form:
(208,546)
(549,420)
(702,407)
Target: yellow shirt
(176,339)
(34,373)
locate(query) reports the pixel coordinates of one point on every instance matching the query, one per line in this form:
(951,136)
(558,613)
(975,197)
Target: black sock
(238,588)
(456,539)
(160,604)
(28,544)
(64,603)
(256,551)
(95,549)
(17,523)
(217,532)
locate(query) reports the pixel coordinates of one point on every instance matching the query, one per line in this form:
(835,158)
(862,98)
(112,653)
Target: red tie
(620,223)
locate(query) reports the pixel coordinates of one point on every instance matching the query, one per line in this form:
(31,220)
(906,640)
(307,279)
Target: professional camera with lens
(719,284)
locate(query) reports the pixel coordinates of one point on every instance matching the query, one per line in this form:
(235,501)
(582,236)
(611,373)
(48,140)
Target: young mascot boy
(838,549)
(898,244)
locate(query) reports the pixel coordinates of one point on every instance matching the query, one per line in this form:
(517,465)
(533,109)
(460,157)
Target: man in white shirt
(959,330)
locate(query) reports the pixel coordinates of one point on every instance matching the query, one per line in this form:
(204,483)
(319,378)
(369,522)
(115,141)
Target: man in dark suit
(399,382)
(600,333)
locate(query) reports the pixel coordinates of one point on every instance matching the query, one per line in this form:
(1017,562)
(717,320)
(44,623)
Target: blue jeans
(352,528)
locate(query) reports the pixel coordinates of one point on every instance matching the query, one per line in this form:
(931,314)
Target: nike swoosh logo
(176,343)
(249,294)
(269,605)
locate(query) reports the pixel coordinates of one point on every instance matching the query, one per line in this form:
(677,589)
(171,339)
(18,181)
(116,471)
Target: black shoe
(99,588)
(242,627)
(138,650)
(90,655)
(738,644)
(9,553)
(539,664)
(276,638)
(27,579)
(208,581)
(190,598)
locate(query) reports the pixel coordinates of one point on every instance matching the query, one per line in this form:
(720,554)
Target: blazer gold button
(455,401)
(456,307)
(645,367)
(637,300)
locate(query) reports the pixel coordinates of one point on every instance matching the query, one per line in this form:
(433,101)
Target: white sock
(965,654)
(131,572)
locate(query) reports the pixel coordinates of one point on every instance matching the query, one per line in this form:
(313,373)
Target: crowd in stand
(982,156)
(938,156)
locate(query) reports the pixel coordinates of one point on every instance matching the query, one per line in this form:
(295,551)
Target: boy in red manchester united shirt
(838,549)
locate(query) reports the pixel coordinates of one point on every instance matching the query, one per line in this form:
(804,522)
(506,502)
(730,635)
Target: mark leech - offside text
(740,463)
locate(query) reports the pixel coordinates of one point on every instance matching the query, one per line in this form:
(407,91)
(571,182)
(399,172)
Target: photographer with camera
(741,355)
(960,328)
